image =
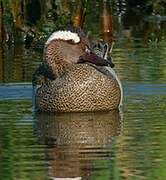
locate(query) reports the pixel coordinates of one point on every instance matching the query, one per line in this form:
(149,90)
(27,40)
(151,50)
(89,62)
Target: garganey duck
(78,78)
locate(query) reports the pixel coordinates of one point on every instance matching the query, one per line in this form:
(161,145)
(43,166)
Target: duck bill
(91,57)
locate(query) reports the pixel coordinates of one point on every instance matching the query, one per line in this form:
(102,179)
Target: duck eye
(87,50)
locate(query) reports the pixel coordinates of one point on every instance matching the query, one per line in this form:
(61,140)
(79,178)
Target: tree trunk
(16,10)
(79,16)
(1,22)
(106,23)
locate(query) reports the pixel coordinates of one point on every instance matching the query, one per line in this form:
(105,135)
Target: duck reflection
(75,141)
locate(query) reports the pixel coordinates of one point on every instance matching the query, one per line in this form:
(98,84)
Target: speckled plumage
(81,88)
(77,87)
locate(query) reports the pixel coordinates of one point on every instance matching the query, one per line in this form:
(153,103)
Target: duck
(79,78)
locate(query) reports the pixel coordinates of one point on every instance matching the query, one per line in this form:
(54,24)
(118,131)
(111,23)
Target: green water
(96,146)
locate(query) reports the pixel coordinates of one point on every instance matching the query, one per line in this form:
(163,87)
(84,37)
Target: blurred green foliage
(42,17)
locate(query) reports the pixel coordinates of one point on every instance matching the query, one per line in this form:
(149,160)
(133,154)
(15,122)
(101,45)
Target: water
(116,145)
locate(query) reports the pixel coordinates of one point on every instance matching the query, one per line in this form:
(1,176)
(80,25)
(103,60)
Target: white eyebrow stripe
(63,35)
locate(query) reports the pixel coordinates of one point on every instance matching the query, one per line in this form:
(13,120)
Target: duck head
(67,47)
(98,55)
